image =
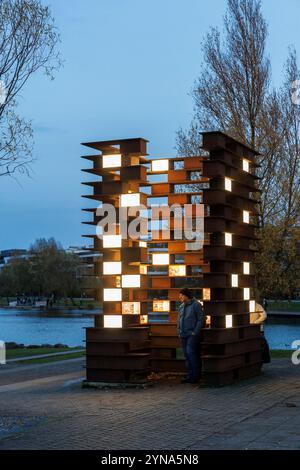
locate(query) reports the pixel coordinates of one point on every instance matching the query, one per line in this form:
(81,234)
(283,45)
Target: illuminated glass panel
(252,306)
(131,280)
(228,239)
(228,321)
(112,321)
(111,161)
(161,305)
(130,200)
(177,270)
(246,268)
(234,280)
(112,241)
(143,319)
(246,217)
(246,293)
(160,165)
(143,269)
(206,293)
(110,295)
(131,308)
(246,165)
(112,267)
(159,259)
(228,184)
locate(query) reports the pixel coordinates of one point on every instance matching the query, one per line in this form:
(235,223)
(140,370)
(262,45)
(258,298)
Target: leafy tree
(48,271)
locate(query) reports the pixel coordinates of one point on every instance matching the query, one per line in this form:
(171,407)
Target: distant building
(6,256)
(87,269)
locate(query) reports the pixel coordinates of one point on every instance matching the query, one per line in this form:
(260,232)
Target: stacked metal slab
(231,346)
(117,347)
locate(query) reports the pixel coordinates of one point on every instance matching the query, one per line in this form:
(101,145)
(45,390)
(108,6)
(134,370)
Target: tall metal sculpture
(141,278)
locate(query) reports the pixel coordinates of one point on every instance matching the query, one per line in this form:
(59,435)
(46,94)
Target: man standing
(190,322)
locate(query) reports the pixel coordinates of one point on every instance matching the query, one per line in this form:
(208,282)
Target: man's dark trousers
(191,351)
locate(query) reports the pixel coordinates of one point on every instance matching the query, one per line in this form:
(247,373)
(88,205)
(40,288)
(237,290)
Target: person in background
(190,322)
(258,318)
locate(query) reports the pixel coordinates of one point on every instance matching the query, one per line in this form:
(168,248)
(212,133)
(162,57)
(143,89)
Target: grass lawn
(54,358)
(281,353)
(23,352)
(284,306)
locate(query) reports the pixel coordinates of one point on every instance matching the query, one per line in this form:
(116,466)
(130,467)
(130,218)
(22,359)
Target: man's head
(185,295)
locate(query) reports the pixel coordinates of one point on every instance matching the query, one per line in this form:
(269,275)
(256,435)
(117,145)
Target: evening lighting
(160,259)
(131,280)
(112,321)
(111,161)
(112,267)
(110,295)
(159,165)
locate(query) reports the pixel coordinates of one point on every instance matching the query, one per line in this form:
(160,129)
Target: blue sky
(129,65)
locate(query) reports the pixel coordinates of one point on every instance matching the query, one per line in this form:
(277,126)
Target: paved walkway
(44,407)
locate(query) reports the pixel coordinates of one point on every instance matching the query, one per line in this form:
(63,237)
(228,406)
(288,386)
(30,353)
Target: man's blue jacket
(191,318)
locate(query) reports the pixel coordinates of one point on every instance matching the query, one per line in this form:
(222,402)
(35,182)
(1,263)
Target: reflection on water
(32,327)
(67,327)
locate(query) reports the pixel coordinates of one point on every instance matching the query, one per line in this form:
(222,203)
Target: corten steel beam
(117,347)
(223,180)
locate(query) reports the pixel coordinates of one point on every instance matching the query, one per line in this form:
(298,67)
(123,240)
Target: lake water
(32,327)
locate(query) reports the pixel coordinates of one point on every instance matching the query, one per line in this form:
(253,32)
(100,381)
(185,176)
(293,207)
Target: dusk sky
(129,65)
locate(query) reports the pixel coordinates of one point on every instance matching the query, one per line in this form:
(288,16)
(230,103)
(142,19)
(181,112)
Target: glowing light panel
(234,280)
(246,293)
(159,259)
(112,267)
(176,270)
(228,184)
(228,321)
(246,268)
(112,321)
(161,305)
(131,280)
(131,308)
(246,217)
(110,295)
(112,241)
(228,239)
(111,161)
(130,200)
(246,165)
(159,165)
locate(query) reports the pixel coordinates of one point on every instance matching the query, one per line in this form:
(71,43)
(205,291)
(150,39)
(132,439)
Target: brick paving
(44,407)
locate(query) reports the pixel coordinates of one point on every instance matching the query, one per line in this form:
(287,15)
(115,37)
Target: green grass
(45,360)
(88,304)
(284,306)
(24,352)
(281,353)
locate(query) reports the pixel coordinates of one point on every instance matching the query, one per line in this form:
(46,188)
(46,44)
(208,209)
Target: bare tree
(28,43)
(234,94)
